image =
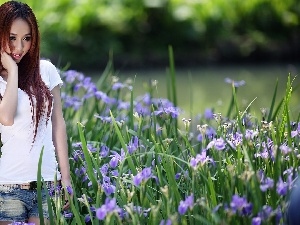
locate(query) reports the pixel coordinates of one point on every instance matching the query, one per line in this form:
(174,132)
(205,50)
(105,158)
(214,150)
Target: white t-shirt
(19,160)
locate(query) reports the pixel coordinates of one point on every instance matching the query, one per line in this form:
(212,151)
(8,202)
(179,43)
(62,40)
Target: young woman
(30,118)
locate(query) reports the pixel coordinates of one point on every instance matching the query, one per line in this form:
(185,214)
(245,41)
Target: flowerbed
(134,161)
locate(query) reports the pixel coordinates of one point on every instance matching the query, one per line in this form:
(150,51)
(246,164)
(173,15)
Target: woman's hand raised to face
(8,63)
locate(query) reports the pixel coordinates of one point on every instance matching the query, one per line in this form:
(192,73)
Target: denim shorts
(19,205)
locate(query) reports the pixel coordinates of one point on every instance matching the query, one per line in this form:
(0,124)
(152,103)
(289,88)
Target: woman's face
(19,39)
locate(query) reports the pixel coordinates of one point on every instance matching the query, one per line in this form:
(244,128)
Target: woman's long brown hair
(30,80)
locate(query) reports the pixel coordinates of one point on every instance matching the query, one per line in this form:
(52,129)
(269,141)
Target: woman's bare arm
(60,137)
(9,102)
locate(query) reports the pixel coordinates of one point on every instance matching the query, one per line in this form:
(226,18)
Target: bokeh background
(253,40)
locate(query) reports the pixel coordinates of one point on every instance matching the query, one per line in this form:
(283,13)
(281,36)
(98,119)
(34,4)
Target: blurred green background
(138,32)
(253,40)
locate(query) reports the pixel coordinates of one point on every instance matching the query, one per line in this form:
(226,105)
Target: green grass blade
(39,188)
(87,157)
(273,102)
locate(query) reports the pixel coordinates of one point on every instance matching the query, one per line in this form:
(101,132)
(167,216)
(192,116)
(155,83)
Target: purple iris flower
(285,149)
(104,118)
(177,176)
(70,76)
(108,188)
(250,134)
(133,144)
(137,179)
(104,169)
(71,101)
(265,213)
(120,156)
(201,158)
(218,144)
(165,222)
(144,175)
(266,184)
(184,205)
(117,86)
(172,111)
(296,132)
(123,105)
(282,187)
(256,221)
(235,83)
(104,150)
(87,218)
(110,206)
(69,190)
(114,162)
(208,114)
(240,205)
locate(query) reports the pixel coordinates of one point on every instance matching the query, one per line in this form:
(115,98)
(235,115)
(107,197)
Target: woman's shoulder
(46,64)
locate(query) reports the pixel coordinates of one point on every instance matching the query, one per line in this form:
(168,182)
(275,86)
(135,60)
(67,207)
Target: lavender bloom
(285,149)
(140,210)
(235,83)
(114,162)
(117,86)
(142,110)
(91,148)
(104,150)
(67,215)
(184,205)
(123,105)
(104,169)
(137,179)
(240,205)
(172,111)
(199,138)
(250,134)
(144,175)
(201,158)
(177,176)
(110,206)
(296,132)
(265,213)
(120,157)
(256,221)
(208,114)
(165,222)
(71,101)
(218,144)
(281,187)
(70,76)
(77,154)
(108,188)
(21,223)
(114,173)
(104,118)
(87,218)
(237,139)
(69,190)
(266,184)
(133,145)
(101,212)
(103,96)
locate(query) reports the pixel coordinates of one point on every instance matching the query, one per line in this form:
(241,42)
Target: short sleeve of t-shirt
(50,74)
